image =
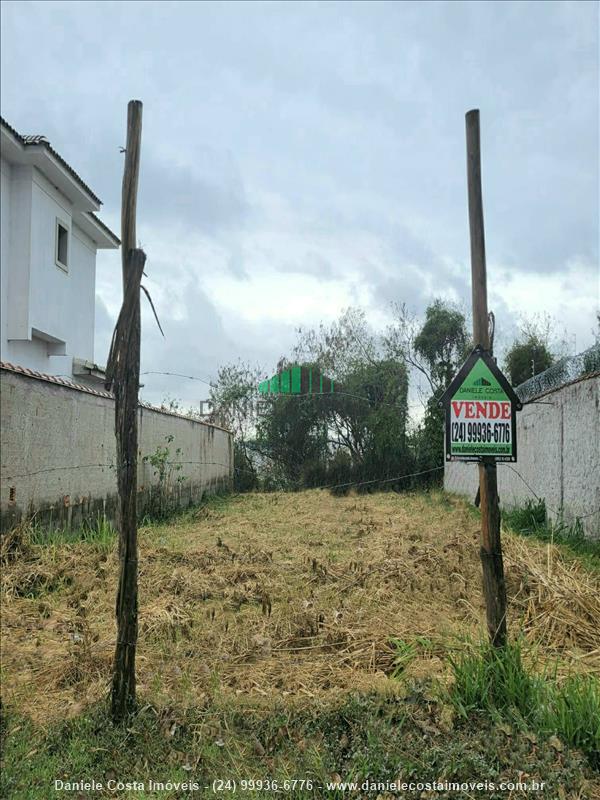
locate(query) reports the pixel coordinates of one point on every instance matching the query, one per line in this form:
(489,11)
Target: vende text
(474,409)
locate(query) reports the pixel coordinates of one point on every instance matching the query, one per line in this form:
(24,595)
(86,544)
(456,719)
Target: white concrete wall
(54,441)
(82,296)
(16,259)
(559,457)
(49,311)
(5,195)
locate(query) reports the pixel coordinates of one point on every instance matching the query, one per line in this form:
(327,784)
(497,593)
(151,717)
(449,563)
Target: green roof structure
(299,380)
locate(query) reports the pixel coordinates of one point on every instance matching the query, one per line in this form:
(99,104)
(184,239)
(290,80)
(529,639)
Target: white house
(49,240)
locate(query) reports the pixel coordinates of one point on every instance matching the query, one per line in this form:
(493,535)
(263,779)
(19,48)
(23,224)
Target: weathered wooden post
(123,375)
(491,547)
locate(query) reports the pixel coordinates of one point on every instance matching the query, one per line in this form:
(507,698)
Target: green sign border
(515,405)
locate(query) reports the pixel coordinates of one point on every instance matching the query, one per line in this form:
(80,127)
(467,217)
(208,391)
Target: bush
(245,478)
(529,518)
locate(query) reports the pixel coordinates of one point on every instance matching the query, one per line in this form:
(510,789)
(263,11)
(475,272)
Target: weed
(100,533)
(531,519)
(406,652)
(365,737)
(162,504)
(495,681)
(528,518)
(573,712)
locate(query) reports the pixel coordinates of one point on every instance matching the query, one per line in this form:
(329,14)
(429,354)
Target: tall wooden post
(123,374)
(494,587)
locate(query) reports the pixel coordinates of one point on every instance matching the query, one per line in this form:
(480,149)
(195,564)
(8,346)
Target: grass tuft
(496,682)
(531,519)
(100,533)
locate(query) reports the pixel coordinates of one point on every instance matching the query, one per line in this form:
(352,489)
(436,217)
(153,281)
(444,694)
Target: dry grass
(294,595)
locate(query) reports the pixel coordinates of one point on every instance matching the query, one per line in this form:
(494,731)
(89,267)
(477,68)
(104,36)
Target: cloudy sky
(298,158)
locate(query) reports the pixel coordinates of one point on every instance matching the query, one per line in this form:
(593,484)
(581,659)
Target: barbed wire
(568,369)
(378,480)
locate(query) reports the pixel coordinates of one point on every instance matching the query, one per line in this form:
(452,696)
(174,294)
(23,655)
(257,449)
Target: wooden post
(130,182)
(494,587)
(123,374)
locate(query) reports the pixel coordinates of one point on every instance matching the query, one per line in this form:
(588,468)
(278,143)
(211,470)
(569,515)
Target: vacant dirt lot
(282,596)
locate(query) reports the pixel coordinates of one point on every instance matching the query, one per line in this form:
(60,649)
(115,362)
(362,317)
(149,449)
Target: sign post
(480,425)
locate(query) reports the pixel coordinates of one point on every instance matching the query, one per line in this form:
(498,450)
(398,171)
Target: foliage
(245,476)
(356,433)
(436,348)
(292,435)
(530,353)
(530,519)
(172,404)
(338,349)
(234,397)
(366,736)
(98,532)
(427,446)
(495,681)
(407,651)
(359,433)
(591,358)
(162,503)
(443,342)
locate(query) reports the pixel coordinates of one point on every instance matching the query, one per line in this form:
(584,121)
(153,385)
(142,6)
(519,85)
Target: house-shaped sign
(481,412)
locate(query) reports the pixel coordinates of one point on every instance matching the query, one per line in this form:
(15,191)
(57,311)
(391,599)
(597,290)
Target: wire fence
(327,486)
(112,466)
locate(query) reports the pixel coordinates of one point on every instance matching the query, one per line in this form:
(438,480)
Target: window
(62,246)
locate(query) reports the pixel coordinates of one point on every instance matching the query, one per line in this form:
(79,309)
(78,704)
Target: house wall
(82,298)
(58,445)
(5,197)
(559,457)
(50,311)
(16,258)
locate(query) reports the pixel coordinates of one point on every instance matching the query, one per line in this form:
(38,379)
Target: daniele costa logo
(115,785)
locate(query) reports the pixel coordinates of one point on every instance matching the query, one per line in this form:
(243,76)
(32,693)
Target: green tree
(233,399)
(369,418)
(340,347)
(529,354)
(356,433)
(291,435)
(435,348)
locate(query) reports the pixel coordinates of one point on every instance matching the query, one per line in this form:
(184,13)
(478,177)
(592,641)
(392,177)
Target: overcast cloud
(298,158)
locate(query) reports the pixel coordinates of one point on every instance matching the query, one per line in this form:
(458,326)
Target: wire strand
(180,375)
(323,486)
(543,499)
